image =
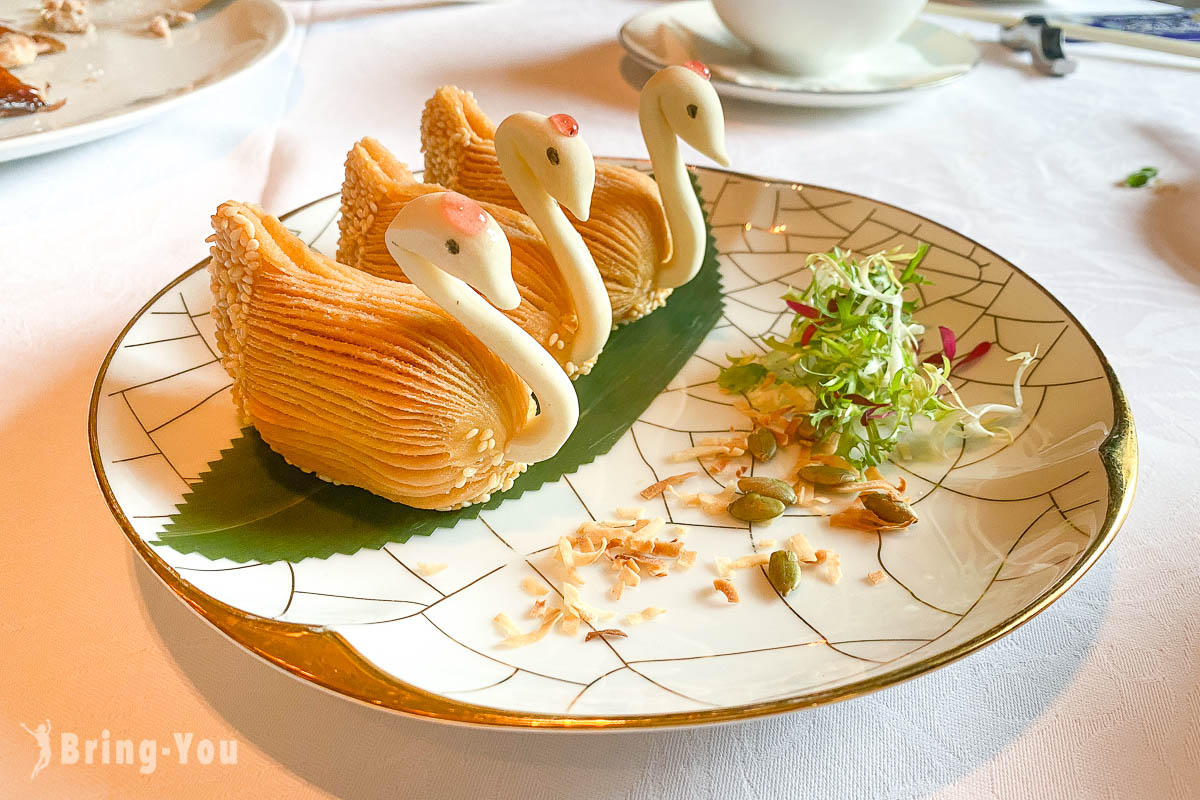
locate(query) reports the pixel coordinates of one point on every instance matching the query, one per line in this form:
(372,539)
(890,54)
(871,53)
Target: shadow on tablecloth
(1172,211)
(904,742)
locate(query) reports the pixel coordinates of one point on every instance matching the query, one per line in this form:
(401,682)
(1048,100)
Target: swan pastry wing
(626,231)
(358,379)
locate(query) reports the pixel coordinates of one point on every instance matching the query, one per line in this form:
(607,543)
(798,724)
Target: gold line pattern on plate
(328,660)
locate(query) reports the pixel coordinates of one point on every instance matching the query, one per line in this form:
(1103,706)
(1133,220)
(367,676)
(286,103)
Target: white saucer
(924,57)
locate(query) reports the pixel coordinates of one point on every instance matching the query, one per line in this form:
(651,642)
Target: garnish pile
(849,377)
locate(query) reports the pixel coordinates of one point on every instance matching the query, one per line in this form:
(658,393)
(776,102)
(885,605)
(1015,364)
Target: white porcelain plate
(1005,527)
(924,57)
(120,75)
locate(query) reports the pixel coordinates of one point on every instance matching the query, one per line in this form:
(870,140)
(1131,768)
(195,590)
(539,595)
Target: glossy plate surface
(1005,527)
(120,76)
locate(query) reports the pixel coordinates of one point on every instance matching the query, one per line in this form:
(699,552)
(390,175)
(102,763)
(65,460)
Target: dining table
(1096,697)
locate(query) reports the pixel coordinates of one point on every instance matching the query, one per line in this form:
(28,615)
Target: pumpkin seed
(761,444)
(754,507)
(769,487)
(783,571)
(825,475)
(888,508)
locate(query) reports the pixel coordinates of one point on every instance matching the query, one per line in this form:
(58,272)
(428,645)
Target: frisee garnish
(849,369)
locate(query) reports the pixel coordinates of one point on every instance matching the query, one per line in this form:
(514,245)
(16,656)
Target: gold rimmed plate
(1006,527)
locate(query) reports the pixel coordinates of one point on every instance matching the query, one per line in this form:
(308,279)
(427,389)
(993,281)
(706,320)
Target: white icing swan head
(692,108)
(454,233)
(557,155)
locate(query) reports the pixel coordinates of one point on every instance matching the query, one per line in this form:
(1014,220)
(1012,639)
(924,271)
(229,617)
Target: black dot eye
(552,156)
(692,110)
(452,246)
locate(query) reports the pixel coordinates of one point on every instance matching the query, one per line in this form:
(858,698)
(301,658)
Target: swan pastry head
(454,233)
(557,155)
(692,108)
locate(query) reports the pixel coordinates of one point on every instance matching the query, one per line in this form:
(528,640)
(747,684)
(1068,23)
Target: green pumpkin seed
(825,475)
(753,507)
(761,444)
(888,508)
(769,487)
(783,571)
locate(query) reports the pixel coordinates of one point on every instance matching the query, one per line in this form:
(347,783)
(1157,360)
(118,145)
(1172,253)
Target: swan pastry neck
(544,434)
(574,260)
(684,217)
(679,102)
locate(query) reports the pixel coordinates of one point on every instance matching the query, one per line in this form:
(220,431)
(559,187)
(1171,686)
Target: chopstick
(1075,30)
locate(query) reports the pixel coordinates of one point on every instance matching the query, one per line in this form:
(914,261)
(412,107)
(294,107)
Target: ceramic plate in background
(1006,526)
(120,75)
(925,57)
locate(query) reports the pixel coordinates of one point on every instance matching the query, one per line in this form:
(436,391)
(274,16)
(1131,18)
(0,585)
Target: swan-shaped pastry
(647,236)
(418,392)
(564,305)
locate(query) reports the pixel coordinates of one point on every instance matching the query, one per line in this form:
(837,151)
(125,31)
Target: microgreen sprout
(849,364)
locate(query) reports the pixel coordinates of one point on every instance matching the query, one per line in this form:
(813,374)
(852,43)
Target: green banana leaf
(251,505)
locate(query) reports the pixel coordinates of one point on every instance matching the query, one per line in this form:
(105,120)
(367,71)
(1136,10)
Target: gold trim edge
(327,660)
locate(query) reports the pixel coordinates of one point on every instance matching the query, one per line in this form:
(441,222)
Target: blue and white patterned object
(1175,25)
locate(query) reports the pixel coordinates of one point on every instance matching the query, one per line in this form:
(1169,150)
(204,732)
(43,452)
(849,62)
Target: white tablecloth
(1097,697)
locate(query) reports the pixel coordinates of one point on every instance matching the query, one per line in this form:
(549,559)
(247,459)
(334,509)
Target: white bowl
(815,37)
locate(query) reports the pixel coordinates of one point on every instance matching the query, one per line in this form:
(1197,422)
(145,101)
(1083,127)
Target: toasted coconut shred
(869,486)
(505,625)
(655,489)
(701,452)
(753,560)
(566,554)
(726,587)
(534,586)
(714,505)
(670,549)
(575,605)
(803,550)
(523,639)
(832,563)
(650,530)
(606,632)
(587,559)
(424,568)
(645,615)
